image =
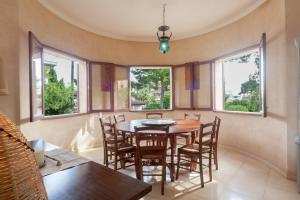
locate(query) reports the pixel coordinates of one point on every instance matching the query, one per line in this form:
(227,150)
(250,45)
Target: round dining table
(180,126)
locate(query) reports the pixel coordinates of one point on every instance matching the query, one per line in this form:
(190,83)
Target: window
(58,82)
(193,86)
(150,88)
(101,87)
(61,84)
(239,82)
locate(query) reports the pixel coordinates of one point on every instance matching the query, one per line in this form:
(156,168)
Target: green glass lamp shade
(164,45)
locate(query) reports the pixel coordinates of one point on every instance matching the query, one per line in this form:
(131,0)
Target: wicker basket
(19,174)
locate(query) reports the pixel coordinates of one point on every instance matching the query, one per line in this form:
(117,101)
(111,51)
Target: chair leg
(116,161)
(178,163)
(215,152)
(136,166)
(210,166)
(201,172)
(163,178)
(141,172)
(105,156)
(122,161)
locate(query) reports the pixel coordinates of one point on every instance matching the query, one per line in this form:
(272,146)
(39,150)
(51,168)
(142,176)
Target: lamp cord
(164,11)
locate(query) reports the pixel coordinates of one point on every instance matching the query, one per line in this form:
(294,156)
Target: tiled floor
(238,178)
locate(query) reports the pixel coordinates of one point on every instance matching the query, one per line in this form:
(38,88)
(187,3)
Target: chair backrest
(217,127)
(206,135)
(154,115)
(119,118)
(151,140)
(194,116)
(107,128)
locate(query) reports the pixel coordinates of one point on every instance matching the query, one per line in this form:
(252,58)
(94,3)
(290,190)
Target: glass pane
(101,86)
(182,80)
(150,88)
(202,86)
(242,87)
(61,89)
(121,88)
(36,80)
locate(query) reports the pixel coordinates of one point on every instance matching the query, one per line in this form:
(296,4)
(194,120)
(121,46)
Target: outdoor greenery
(151,86)
(59,98)
(250,90)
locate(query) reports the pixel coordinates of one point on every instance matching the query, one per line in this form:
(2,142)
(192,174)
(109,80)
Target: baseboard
(3,91)
(87,148)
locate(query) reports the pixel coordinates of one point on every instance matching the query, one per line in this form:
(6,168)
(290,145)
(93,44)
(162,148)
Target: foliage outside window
(241,85)
(150,88)
(60,85)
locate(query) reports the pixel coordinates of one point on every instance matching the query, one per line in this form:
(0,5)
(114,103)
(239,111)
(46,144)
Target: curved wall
(265,138)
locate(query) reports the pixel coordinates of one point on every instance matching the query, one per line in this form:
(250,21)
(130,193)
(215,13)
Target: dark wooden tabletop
(181,126)
(93,181)
(90,181)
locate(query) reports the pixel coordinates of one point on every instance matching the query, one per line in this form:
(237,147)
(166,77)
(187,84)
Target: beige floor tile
(249,183)
(232,195)
(238,178)
(279,194)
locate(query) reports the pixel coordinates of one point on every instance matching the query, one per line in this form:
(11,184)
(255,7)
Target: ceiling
(138,20)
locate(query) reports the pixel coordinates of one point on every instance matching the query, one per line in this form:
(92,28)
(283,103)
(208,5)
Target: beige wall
(293,31)
(265,138)
(9,53)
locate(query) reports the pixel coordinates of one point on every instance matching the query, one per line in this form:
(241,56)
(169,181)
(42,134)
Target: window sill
(239,113)
(63,116)
(149,111)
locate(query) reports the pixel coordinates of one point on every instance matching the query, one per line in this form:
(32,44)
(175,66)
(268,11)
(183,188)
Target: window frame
(171,86)
(192,66)
(210,62)
(261,46)
(90,89)
(189,65)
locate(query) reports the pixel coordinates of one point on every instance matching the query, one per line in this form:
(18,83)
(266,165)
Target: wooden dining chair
(121,118)
(197,152)
(115,145)
(153,154)
(193,116)
(190,137)
(215,142)
(154,115)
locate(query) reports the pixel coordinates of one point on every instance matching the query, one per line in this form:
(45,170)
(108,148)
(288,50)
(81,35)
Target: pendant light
(163,38)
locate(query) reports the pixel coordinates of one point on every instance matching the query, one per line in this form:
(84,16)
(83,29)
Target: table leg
(193,136)
(173,150)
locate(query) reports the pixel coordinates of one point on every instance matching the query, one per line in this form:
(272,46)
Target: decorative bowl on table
(159,122)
